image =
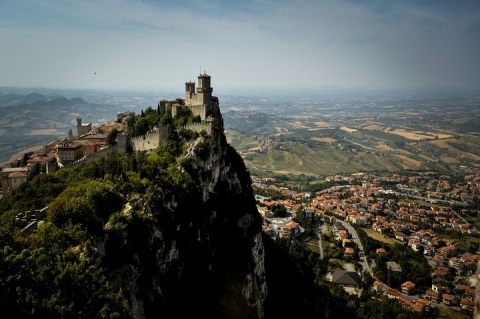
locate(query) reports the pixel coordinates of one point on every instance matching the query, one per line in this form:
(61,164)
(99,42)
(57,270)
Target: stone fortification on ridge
(72,151)
(200,102)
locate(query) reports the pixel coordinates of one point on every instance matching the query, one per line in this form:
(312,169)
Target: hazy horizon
(253,44)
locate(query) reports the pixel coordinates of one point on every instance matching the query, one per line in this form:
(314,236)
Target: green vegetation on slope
(49,273)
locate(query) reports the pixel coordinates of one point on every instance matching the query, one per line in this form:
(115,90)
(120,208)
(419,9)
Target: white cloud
(263,43)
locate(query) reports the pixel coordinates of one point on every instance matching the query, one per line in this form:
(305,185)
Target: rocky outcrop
(198,252)
(226,187)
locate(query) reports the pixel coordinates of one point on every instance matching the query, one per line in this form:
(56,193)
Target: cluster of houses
(277,227)
(366,205)
(342,235)
(418,305)
(462,296)
(61,152)
(88,140)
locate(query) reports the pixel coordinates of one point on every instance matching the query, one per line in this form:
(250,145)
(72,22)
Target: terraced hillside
(341,140)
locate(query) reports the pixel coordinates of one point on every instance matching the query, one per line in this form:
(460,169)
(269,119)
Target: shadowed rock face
(200,253)
(476,314)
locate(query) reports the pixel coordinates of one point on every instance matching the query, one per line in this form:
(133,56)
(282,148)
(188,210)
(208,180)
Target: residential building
(291,229)
(407,287)
(69,152)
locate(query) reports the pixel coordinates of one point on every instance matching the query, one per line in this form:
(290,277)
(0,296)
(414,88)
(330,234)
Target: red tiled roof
(391,292)
(291,225)
(408,284)
(448,297)
(17,175)
(466,302)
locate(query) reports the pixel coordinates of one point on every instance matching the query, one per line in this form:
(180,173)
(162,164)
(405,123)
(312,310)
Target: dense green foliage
(49,273)
(150,118)
(112,136)
(309,221)
(414,266)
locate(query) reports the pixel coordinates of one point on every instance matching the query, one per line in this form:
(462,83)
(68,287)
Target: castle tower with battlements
(199,101)
(203,95)
(83,128)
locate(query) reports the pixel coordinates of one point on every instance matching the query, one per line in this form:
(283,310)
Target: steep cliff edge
(198,252)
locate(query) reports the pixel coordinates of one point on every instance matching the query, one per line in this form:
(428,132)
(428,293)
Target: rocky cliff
(198,252)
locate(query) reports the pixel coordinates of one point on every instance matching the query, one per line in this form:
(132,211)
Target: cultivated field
(380,237)
(323,124)
(324,139)
(417,135)
(298,124)
(348,129)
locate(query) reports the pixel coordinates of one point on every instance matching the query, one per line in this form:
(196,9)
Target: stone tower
(83,128)
(203,95)
(204,90)
(162,106)
(190,95)
(79,126)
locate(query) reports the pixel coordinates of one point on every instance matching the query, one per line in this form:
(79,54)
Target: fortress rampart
(199,127)
(197,110)
(94,156)
(200,104)
(149,141)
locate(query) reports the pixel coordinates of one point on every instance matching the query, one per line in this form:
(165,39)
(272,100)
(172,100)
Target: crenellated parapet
(199,127)
(201,103)
(147,142)
(197,110)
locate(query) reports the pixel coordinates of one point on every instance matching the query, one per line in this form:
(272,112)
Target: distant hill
(252,122)
(429,134)
(32,120)
(16,99)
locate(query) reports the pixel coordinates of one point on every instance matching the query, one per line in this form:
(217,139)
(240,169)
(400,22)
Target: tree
(88,204)
(279,210)
(112,137)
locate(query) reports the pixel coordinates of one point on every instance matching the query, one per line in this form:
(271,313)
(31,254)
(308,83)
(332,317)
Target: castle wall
(147,142)
(199,104)
(200,110)
(198,127)
(95,156)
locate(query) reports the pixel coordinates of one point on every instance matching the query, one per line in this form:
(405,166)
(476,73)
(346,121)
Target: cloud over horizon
(254,43)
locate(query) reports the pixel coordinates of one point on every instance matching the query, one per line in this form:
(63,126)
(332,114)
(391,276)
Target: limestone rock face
(199,253)
(476,309)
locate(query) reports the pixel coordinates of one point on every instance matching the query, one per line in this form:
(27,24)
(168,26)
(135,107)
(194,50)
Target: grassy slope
(375,151)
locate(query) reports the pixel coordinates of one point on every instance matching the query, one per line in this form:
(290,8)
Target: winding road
(357,241)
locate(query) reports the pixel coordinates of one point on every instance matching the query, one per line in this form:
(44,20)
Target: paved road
(320,246)
(357,241)
(355,238)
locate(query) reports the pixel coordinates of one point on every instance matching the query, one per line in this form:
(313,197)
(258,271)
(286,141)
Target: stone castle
(200,102)
(90,145)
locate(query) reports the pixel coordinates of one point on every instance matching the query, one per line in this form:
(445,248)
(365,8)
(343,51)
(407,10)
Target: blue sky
(262,44)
